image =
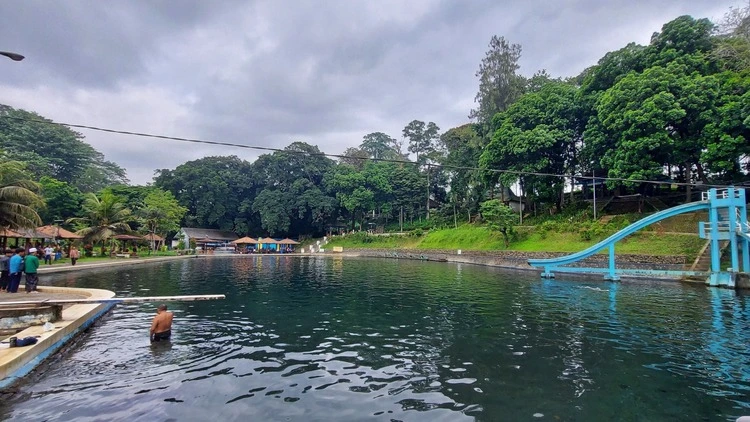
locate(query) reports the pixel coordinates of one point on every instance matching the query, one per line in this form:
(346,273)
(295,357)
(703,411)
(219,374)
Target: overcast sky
(269,73)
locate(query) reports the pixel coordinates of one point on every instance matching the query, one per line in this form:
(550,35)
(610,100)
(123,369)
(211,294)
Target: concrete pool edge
(16,363)
(124,262)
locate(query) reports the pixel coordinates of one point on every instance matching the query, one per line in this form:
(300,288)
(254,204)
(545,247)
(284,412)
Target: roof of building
(53,232)
(194,233)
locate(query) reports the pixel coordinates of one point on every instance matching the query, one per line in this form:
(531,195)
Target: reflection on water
(349,339)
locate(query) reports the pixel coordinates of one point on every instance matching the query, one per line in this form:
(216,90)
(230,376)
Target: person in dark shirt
(5,269)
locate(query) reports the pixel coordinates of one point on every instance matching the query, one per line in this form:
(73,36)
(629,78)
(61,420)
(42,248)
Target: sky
(269,73)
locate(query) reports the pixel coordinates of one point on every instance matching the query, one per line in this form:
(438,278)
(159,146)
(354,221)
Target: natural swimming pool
(306,339)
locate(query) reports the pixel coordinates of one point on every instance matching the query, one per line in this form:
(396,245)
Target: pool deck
(19,361)
(103,264)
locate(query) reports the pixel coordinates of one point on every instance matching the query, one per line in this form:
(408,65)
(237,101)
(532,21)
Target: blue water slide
(651,219)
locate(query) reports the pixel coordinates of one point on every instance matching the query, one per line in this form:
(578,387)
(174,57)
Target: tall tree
(537,134)
(161,212)
(19,197)
(55,151)
(499,84)
(104,217)
(378,145)
(463,146)
(422,139)
(291,198)
(213,190)
(62,200)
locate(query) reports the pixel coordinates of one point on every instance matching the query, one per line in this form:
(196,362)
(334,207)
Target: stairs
(703,260)
(656,203)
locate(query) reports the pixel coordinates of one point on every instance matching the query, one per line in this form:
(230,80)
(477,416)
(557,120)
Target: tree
(291,186)
(55,151)
(355,157)
(655,119)
(499,217)
(422,139)
(537,134)
(62,200)
(161,213)
(19,197)
(104,217)
(463,147)
(499,84)
(378,145)
(213,190)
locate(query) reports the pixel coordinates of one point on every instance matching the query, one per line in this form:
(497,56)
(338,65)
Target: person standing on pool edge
(16,267)
(161,327)
(30,268)
(5,269)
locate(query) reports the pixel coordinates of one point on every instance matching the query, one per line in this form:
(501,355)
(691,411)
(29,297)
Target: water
(315,339)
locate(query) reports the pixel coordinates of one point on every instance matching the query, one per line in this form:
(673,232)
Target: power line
(341,156)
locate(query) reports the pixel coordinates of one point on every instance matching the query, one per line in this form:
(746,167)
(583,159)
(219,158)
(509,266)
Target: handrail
(653,218)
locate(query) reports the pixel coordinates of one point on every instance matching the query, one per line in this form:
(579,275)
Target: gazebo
(128,237)
(6,234)
(153,239)
(244,241)
(57,232)
(287,242)
(267,241)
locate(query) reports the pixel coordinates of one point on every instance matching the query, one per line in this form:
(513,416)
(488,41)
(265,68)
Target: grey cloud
(269,73)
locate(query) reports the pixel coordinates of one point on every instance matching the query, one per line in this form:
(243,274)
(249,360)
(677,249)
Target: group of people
(14,264)
(54,253)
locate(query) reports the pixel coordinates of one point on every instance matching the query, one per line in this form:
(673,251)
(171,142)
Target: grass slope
(470,237)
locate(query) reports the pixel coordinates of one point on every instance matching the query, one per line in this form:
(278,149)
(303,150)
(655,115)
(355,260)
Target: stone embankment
(519,259)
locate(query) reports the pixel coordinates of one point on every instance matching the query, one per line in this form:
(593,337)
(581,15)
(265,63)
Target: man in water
(161,328)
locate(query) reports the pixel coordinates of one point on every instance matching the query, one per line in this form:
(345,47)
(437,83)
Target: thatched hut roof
(55,232)
(287,241)
(245,241)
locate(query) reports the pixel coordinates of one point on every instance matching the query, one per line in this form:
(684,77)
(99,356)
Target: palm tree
(19,197)
(104,217)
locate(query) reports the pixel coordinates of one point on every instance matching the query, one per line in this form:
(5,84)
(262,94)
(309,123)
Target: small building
(186,234)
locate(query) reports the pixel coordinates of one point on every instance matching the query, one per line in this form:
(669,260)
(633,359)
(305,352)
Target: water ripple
(318,339)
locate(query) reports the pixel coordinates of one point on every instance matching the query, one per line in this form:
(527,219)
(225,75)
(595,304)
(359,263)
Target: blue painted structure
(727,210)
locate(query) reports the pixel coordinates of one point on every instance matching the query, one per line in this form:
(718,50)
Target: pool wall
(19,361)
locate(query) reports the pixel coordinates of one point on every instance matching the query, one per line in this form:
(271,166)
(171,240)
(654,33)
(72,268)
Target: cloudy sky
(268,73)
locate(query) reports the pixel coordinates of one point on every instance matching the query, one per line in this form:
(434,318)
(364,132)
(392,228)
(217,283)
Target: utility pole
(593,185)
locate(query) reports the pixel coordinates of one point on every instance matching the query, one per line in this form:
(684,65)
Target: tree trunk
(688,187)
(428,193)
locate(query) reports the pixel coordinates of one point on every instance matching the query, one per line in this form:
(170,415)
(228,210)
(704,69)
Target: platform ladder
(727,216)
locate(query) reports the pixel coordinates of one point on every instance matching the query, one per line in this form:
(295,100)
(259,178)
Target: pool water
(332,339)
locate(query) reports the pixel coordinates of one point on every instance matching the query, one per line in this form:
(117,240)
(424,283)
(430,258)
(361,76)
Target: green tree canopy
(62,200)
(104,217)
(19,197)
(55,151)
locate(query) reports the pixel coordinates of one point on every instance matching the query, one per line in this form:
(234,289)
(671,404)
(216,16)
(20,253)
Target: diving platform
(727,212)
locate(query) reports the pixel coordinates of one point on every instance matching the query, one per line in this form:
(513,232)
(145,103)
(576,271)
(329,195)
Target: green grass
(471,237)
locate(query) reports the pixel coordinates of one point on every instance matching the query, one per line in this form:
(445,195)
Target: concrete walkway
(94,263)
(44,294)
(19,361)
